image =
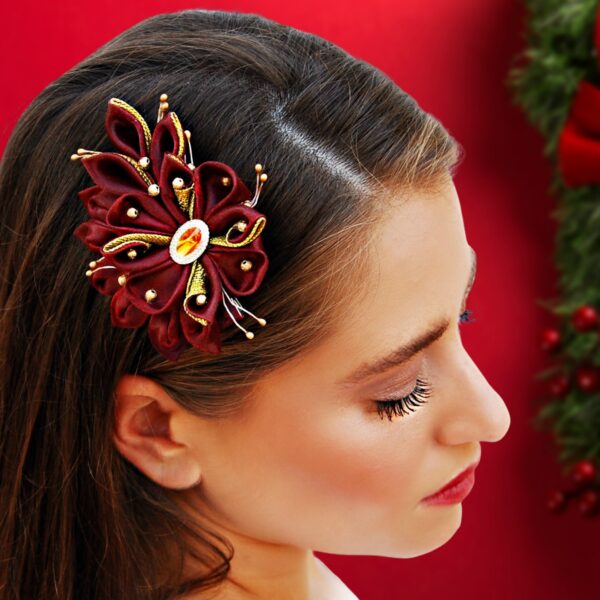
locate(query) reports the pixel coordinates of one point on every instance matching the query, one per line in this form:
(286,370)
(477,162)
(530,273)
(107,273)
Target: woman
(129,475)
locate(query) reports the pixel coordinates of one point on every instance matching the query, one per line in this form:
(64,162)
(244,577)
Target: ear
(149,431)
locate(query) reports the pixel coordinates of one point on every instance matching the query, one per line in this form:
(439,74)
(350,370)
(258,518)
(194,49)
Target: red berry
(587,378)
(588,502)
(584,318)
(583,471)
(550,339)
(558,385)
(557,501)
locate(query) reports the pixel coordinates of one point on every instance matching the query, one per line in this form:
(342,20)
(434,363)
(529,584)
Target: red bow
(175,239)
(578,150)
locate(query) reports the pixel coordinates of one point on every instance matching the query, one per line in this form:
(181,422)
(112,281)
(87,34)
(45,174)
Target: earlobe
(142,434)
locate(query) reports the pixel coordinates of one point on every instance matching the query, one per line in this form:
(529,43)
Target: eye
(406,404)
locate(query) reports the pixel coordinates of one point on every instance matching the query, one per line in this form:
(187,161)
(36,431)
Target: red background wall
(453,57)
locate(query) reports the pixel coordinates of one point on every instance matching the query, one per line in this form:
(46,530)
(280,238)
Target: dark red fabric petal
(211,194)
(104,278)
(114,173)
(171,168)
(96,201)
(127,129)
(169,279)
(206,338)
(125,314)
(166,334)
(152,216)
(227,262)
(93,234)
(221,220)
(167,137)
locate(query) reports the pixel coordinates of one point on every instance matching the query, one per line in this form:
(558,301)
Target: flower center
(189,241)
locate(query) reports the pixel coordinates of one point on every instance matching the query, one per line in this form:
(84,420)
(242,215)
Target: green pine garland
(560,53)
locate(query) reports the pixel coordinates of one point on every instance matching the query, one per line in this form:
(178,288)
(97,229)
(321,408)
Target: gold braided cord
(180,134)
(196,285)
(222,240)
(137,116)
(147,239)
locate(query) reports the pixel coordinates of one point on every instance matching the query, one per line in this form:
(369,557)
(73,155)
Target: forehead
(417,270)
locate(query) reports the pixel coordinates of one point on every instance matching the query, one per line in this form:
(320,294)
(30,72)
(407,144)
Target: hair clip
(178,243)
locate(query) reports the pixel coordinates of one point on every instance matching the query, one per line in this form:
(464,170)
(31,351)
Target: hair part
(336,136)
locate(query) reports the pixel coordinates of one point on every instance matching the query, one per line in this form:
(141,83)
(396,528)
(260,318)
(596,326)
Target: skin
(310,464)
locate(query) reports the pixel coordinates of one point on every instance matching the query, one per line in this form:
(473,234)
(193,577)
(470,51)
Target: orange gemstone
(189,241)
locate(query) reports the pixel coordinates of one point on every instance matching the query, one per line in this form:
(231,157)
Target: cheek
(329,460)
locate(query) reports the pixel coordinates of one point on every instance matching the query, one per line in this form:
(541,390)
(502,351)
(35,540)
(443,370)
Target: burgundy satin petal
(213,293)
(169,279)
(165,139)
(93,234)
(96,201)
(113,173)
(171,168)
(104,278)
(166,334)
(145,260)
(221,220)
(205,338)
(227,262)
(211,194)
(125,314)
(152,216)
(125,131)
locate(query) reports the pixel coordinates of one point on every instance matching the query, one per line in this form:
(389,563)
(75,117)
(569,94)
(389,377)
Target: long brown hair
(76,519)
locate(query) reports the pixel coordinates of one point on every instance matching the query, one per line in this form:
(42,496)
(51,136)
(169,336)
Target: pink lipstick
(456,490)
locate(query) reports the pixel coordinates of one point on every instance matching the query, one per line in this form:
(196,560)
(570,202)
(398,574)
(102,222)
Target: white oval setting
(189,241)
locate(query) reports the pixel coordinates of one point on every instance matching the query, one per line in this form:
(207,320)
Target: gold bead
(122,279)
(150,295)
(191,166)
(262,321)
(144,162)
(249,335)
(75,157)
(132,253)
(200,299)
(81,150)
(164,97)
(246,265)
(258,167)
(225,180)
(154,190)
(88,273)
(247,202)
(132,212)
(241,225)
(263,177)
(93,264)
(178,183)
(188,134)
(164,106)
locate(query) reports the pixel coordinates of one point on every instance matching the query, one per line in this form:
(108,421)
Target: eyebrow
(409,349)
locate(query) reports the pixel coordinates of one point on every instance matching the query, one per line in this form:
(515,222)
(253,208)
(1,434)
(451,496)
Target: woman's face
(311,463)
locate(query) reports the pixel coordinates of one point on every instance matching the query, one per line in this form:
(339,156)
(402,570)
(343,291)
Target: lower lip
(457,493)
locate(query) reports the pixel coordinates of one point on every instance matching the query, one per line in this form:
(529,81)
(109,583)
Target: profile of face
(310,462)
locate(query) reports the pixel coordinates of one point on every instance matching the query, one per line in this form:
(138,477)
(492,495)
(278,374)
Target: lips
(456,489)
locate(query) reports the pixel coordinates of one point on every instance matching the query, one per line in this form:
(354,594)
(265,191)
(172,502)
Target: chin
(434,527)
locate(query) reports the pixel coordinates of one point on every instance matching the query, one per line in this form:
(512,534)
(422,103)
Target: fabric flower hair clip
(178,243)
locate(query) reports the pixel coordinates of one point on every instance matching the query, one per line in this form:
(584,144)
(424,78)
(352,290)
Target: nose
(472,409)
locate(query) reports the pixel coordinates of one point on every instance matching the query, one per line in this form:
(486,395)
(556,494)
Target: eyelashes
(406,404)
